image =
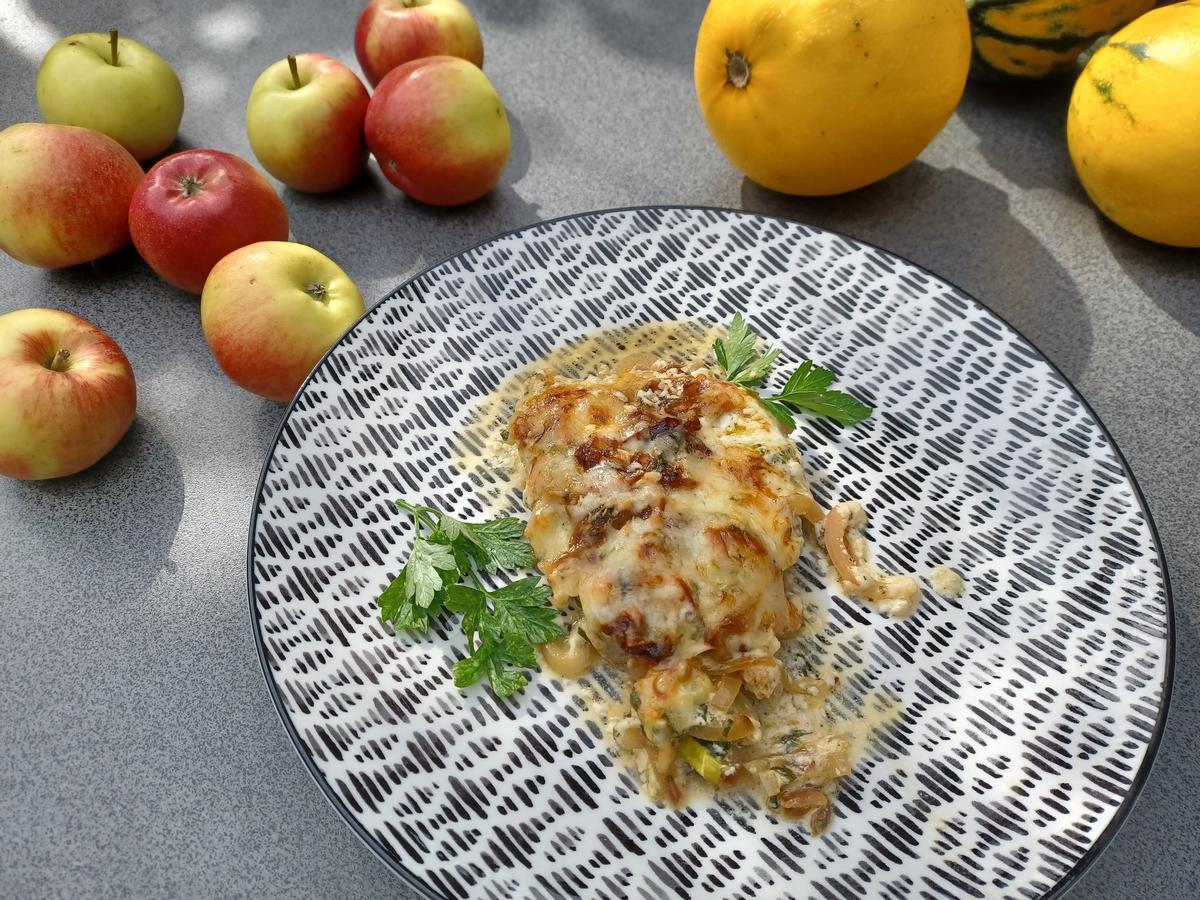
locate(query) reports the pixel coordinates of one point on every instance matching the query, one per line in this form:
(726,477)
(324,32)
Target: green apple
(305,122)
(113,85)
(270,311)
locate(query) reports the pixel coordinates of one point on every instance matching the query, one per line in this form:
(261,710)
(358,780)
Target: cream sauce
(946,581)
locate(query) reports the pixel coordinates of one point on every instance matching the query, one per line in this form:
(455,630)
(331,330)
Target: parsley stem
(420,514)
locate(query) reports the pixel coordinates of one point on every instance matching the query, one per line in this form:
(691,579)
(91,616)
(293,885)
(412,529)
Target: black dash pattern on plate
(1027,706)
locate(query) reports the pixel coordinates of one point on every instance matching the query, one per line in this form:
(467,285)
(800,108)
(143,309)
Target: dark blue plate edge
(375,846)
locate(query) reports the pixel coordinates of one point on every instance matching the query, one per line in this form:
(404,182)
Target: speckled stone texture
(141,753)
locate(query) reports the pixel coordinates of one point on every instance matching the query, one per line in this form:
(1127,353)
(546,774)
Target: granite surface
(140,754)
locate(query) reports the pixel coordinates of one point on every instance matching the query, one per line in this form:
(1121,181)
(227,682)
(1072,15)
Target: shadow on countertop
(633,28)
(124,536)
(926,214)
(1022,131)
(510,12)
(1169,276)
(156,324)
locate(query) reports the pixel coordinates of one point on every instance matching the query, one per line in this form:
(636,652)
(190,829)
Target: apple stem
(295,72)
(59,362)
(190,185)
(112,43)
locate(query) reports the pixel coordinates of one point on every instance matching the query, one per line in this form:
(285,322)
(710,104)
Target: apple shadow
(960,228)
(520,155)
(1169,276)
(264,422)
(106,531)
(1022,131)
(122,265)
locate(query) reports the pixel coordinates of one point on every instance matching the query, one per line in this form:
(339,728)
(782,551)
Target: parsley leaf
(490,659)
(496,545)
(399,609)
(413,618)
(517,652)
(755,373)
(839,406)
(737,354)
(471,603)
(779,411)
(791,741)
(471,669)
(736,348)
(393,600)
(521,608)
(422,578)
(806,391)
(502,626)
(809,378)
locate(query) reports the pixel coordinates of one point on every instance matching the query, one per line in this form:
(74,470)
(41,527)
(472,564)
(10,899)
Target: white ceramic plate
(1029,709)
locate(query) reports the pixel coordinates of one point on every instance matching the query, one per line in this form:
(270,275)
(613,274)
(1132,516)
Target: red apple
(194,207)
(67,393)
(64,194)
(393,32)
(270,311)
(439,130)
(305,121)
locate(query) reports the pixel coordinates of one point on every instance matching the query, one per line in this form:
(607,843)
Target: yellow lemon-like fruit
(1133,126)
(825,96)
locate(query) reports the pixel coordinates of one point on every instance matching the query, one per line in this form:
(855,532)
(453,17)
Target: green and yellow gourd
(1028,39)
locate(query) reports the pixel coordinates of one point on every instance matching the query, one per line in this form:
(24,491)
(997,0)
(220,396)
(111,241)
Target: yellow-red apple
(194,207)
(67,393)
(64,194)
(393,32)
(115,86)
(270,311)
(305,120)
(439,131)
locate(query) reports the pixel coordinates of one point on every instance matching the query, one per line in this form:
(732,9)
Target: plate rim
(414,881)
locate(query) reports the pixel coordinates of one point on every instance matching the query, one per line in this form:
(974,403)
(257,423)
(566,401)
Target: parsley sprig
(503,625)
(806,391)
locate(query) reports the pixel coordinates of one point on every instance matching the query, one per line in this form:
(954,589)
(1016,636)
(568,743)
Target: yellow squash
(825,96)
(1034,38)
(1133,126)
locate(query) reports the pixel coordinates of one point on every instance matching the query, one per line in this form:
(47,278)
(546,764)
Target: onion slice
(726,692)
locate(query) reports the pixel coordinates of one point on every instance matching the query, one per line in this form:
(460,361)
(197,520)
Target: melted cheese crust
(668,503)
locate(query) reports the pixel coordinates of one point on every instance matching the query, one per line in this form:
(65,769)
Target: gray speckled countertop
(141,754)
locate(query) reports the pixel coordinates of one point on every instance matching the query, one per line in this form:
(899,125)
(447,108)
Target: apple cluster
(72,189)
(434,123)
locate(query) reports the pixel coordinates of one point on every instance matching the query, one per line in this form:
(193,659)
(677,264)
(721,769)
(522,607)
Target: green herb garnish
(503,625)
(806,391)
(790,742)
